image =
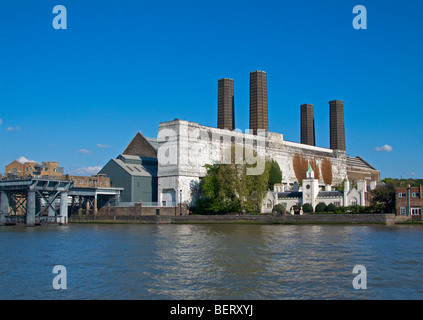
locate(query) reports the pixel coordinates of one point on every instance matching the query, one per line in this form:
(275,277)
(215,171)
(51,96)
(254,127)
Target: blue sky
(78,96)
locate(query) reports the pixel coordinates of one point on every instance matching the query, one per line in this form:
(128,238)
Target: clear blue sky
(126,66)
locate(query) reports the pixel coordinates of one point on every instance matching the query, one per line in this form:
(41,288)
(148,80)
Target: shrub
(307,208)
(360,209)
(341,210)
(330,208)
(320,207)
(279,209)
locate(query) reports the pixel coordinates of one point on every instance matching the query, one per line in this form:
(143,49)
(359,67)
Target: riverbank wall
(387,219)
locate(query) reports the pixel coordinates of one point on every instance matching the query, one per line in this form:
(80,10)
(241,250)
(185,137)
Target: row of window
(94,182)
(414,211)
(404,195)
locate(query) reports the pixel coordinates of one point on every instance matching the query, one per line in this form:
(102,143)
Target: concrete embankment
(248,219)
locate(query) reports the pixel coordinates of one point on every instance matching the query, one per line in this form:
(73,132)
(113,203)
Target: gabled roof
(290,194)
(358,162)
(142,146)
(329,194)
(137,169)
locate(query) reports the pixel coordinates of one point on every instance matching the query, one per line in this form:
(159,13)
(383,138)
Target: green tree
(228,188)
(384,195)
(307,208)
(275,173)
(320,207)
(330,208)
(279,209)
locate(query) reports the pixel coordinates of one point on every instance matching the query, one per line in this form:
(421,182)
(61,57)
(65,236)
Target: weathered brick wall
(139,210)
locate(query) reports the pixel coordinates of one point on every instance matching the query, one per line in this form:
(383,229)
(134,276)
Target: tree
(229,188)
(307,208)
(275,174)
(320,207)
(217,190)
(330,208)
(384,195)
(279,209)
(327,171)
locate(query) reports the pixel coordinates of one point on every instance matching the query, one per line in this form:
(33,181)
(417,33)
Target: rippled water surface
(211,261)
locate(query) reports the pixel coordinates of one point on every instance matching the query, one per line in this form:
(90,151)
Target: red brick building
(409,201)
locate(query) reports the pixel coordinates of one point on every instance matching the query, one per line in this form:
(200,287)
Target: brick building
(51,170)
(96,180)
(16,169)
(409,201)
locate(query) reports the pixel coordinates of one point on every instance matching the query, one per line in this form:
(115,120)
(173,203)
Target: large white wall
(187,146)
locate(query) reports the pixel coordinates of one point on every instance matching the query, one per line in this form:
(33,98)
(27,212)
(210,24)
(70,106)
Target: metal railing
(149,204)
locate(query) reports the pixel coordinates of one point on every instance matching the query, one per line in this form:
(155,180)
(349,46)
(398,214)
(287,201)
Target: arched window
(269,203)
(354,201)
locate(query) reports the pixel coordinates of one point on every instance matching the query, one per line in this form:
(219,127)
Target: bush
(279,209)
(320,207)
(341,210)
(307,208)
(360,209)
(330,208)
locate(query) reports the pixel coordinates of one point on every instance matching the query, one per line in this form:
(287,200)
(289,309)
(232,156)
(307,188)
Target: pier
(36,201)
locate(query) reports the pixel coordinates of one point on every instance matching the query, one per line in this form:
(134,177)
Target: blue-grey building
(135,170)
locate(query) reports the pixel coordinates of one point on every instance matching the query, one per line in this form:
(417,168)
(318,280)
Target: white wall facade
(185,147)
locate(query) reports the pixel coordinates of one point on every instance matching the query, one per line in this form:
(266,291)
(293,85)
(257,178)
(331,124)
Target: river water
(211,262)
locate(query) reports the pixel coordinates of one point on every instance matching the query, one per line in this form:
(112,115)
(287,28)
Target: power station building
(169,169)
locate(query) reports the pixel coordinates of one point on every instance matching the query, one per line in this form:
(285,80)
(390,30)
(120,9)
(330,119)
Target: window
(415,194)
(403,211)
(402,195)
(269,203)
(416,211)
(354,201)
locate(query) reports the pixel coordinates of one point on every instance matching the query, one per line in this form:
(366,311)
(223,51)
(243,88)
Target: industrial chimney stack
(258,101)
(307,125)
(337,129)
(225,104)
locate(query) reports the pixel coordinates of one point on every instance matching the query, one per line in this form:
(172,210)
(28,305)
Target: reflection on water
(211,261)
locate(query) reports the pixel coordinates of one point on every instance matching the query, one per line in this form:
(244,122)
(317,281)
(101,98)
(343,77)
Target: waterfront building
(135,170)
(311,193)
(409,202)
(182,149)
(359,169)
(30,168)
(51,170)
